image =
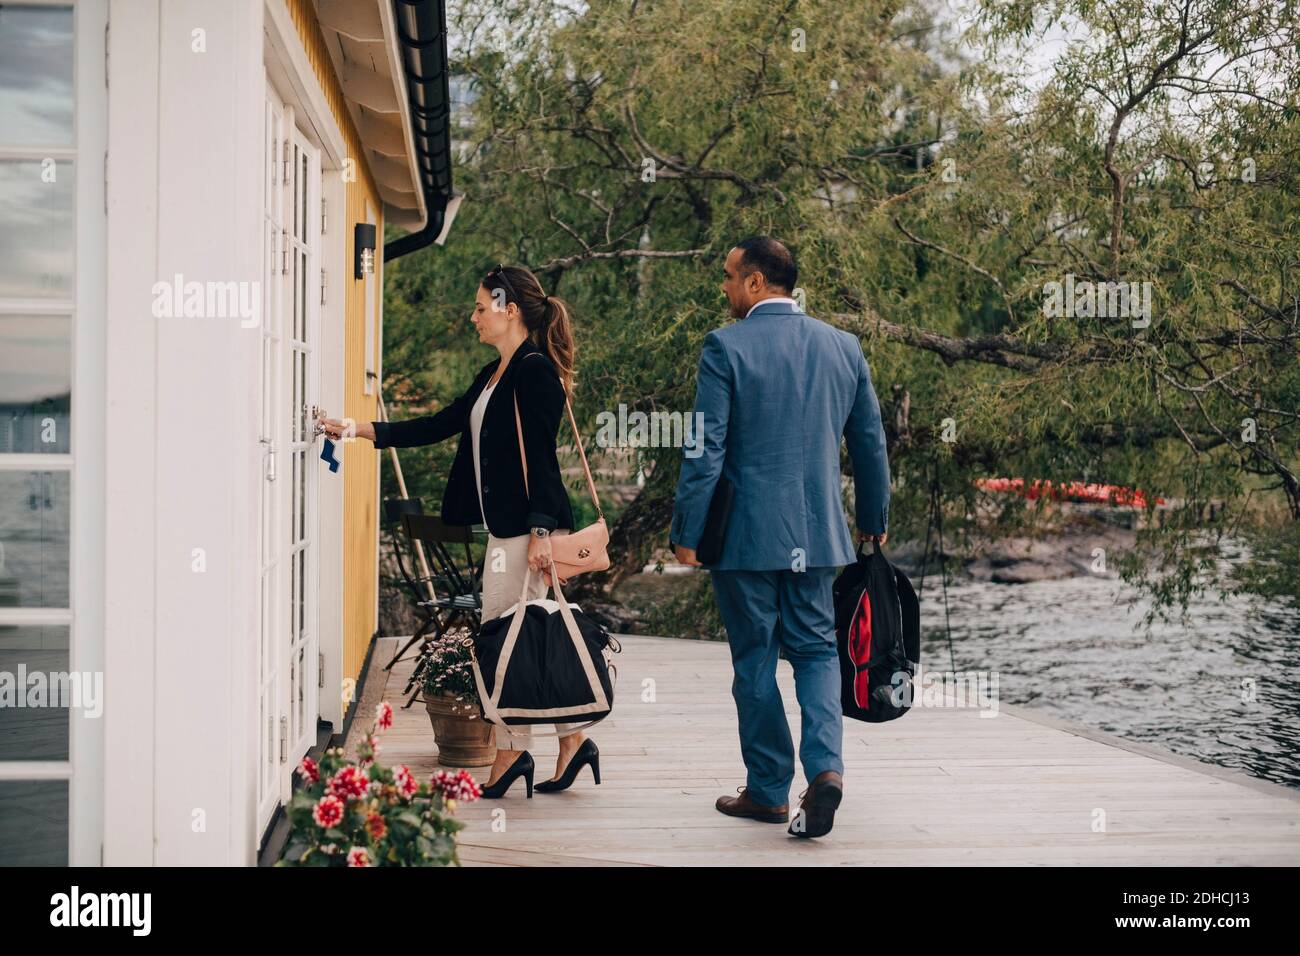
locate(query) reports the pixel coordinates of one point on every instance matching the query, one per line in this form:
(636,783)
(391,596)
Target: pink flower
(309,769)
(384,715)
(349,782)
(328,812)
(405,780)
(468,787)
(357,856)
(456,786)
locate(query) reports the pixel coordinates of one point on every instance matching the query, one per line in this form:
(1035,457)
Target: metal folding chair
(413,581)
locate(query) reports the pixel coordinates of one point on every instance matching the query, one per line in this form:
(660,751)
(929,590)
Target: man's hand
(686,556)
(868,538)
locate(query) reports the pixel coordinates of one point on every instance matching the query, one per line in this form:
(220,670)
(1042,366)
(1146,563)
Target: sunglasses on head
(501,271)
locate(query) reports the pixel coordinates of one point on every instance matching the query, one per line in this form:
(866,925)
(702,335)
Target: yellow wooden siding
(360,474)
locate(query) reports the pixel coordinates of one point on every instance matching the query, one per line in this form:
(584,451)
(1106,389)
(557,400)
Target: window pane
(295,587)
(37,730)
(302,296)
(296,429)
(34,510)
(301,410)
(302,179)
(296,209)
(34,824)
(36,229)
(35,383)
(35,76)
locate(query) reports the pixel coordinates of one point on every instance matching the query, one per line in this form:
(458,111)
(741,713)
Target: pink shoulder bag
(579,551)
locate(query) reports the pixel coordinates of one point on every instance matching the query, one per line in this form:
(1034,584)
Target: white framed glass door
(270,705)
(52,142)
(304,381)
(290,381)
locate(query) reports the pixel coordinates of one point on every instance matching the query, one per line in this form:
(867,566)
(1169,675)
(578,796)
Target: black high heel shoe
(585,754)
(522,767)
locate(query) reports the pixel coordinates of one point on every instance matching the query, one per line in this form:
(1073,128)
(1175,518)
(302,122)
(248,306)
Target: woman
(533,334)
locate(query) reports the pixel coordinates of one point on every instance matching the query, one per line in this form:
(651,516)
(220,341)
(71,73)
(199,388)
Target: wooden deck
(940,786)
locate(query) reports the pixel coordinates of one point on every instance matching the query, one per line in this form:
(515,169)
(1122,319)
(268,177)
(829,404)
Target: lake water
(1224,687)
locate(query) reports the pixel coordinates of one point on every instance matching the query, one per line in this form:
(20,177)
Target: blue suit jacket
(777,390)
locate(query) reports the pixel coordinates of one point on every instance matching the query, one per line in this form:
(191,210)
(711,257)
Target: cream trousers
(504,567)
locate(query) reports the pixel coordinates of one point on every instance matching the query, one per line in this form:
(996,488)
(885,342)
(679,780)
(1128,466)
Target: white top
(475,420)
(775,298)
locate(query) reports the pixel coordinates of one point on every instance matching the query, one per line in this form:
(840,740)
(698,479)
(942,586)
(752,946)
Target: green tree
(931,200)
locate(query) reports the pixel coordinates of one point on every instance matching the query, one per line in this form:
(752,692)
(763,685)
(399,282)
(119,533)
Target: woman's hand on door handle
(346,428)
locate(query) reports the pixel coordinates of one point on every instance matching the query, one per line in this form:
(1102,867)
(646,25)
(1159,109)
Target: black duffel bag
(544,662)
(878,630)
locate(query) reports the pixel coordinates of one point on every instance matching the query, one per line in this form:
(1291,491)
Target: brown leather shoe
(742,806)
(817,807)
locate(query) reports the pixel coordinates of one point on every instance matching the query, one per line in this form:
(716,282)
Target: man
(777,390)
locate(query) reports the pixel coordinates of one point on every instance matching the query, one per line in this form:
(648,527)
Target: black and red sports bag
(878,629)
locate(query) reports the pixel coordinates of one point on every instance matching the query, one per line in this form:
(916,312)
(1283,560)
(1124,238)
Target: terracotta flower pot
(463,737)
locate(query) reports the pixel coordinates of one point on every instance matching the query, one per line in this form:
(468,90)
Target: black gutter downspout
(415,241)
(422,31)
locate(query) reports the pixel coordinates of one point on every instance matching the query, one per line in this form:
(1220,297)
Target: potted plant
(359,813)
(463,737)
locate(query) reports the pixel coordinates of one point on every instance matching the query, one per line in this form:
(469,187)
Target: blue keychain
(327,455)
(327,446)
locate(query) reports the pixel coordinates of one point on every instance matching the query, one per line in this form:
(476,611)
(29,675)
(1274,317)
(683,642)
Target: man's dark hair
(764,254)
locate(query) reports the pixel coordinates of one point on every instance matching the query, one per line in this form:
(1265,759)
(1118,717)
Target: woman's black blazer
(531,376)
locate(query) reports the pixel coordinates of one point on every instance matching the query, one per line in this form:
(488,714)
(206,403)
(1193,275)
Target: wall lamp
(363,242)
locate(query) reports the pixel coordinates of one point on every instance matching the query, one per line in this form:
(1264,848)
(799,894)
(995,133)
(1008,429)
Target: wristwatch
(541,532)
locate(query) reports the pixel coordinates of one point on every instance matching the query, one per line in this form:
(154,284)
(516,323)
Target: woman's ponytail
(556,336)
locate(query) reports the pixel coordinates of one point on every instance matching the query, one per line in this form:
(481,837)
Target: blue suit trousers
(793,611)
